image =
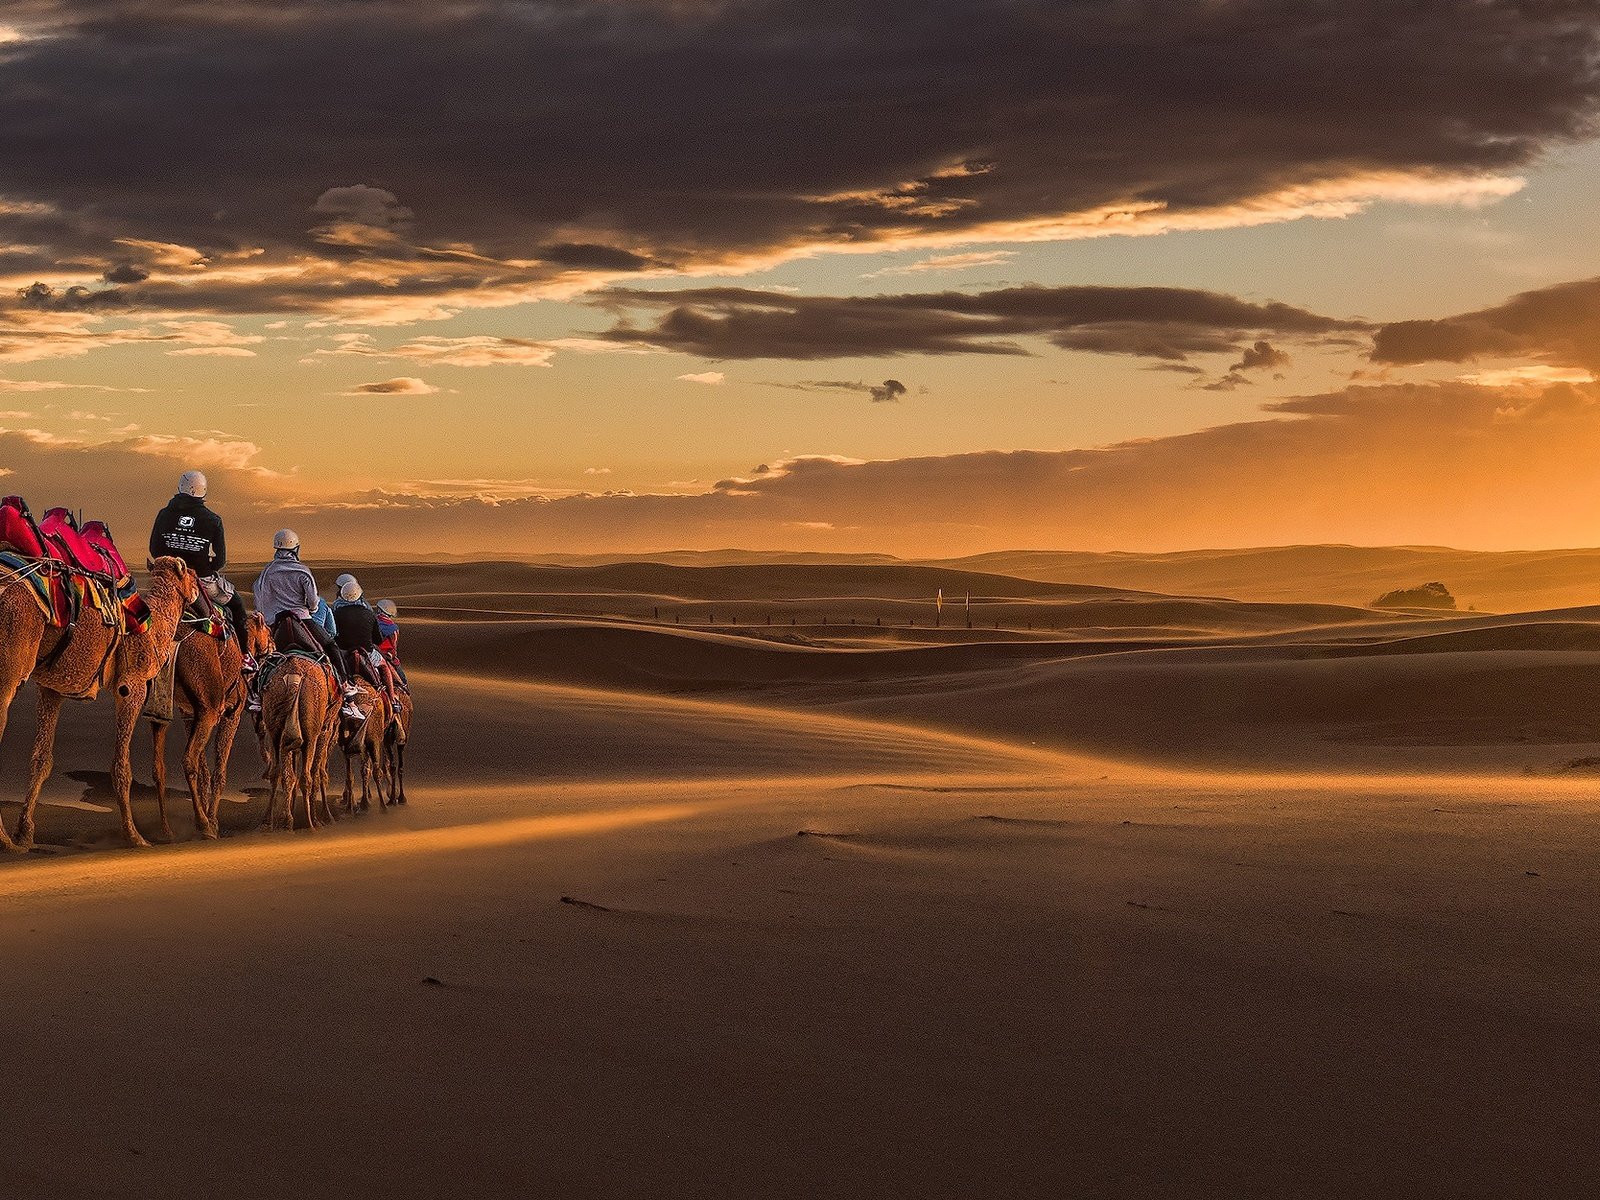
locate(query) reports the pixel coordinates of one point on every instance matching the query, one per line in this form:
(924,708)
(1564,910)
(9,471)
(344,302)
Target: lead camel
(96,656)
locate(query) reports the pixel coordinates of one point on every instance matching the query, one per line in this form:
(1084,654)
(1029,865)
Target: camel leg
(158,745)
(321,770)
(263,745)
(44,743)
(308,782)
(8,692)
(195,771)
(121,767)
(375,765)
(395,755)
(349,783)
(227,730)
(274,778)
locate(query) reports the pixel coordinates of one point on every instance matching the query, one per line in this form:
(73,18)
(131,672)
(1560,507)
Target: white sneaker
(351,711)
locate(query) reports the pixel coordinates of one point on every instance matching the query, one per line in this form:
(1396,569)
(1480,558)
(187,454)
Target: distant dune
(1495,581)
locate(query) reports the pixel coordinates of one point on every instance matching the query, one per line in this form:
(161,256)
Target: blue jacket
(324,617)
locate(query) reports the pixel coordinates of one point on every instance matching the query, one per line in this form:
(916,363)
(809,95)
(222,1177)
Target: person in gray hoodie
(286,596)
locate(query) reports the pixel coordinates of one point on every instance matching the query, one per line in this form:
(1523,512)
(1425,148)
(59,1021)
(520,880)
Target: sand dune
(1497,581)
(1248,900)
(1497,695)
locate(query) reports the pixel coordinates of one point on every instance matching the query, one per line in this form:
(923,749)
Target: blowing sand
(1258,900)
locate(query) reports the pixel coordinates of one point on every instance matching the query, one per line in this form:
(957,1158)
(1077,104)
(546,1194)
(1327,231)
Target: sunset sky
(926,277)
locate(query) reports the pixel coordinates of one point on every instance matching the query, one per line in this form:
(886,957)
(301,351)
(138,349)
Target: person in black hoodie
(187,529)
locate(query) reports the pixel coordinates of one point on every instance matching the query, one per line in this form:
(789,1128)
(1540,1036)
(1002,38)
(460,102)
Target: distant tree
(1428,595)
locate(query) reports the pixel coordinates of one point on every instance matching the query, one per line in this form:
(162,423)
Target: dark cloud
(126,273)
(590,256)
(1261,356)
(488,134)
(888,391)
(1559,323)
(76,298)
(403,385)
(1149,322)
(1225,383)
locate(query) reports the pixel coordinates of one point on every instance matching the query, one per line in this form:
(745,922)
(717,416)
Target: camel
(298,711)
(77,663)
(210,691)
(394,747)
(365,741)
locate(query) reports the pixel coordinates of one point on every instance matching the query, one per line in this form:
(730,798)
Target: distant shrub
(1428,595)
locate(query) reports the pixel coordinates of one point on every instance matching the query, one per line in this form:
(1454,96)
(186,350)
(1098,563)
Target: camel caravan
(311,675)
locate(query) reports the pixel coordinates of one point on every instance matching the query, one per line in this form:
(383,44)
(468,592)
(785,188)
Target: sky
(924,277)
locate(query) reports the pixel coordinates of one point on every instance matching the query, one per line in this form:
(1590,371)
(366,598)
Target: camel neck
(166,609)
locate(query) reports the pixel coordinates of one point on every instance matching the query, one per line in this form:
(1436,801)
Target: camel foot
(11,847)
(135,839)
(210,833)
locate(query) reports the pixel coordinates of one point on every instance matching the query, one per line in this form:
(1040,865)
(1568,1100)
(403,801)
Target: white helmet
(338,584)
(387,607)
(192,483)
(286,539)
(350,589)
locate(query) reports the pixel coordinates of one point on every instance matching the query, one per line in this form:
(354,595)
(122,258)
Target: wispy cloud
(947,262)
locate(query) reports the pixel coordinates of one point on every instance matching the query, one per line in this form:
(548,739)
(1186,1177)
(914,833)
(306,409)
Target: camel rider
(389,638)
(359,636)
(187,529)
(286,596)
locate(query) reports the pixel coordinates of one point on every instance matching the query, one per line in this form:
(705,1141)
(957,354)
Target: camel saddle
(269,666)
(67,545)
(68,569)
(59,538)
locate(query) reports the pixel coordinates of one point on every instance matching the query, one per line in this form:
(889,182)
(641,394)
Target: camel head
(175,574)
(261,643)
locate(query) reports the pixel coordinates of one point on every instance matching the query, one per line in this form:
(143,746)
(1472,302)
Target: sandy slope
(1493,580)
(1258,909)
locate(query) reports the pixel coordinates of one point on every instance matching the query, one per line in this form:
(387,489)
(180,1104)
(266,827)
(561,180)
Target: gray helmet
(338,584)
(286,539)
(350,589)
(387,608)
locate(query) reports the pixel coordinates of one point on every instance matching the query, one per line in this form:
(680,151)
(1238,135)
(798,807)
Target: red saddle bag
(18,530)
(98,535)
(66,542)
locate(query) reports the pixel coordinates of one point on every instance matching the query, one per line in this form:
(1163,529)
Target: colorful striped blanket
(63,595)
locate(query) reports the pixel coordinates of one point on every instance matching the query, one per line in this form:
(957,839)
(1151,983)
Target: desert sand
(1137,894)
